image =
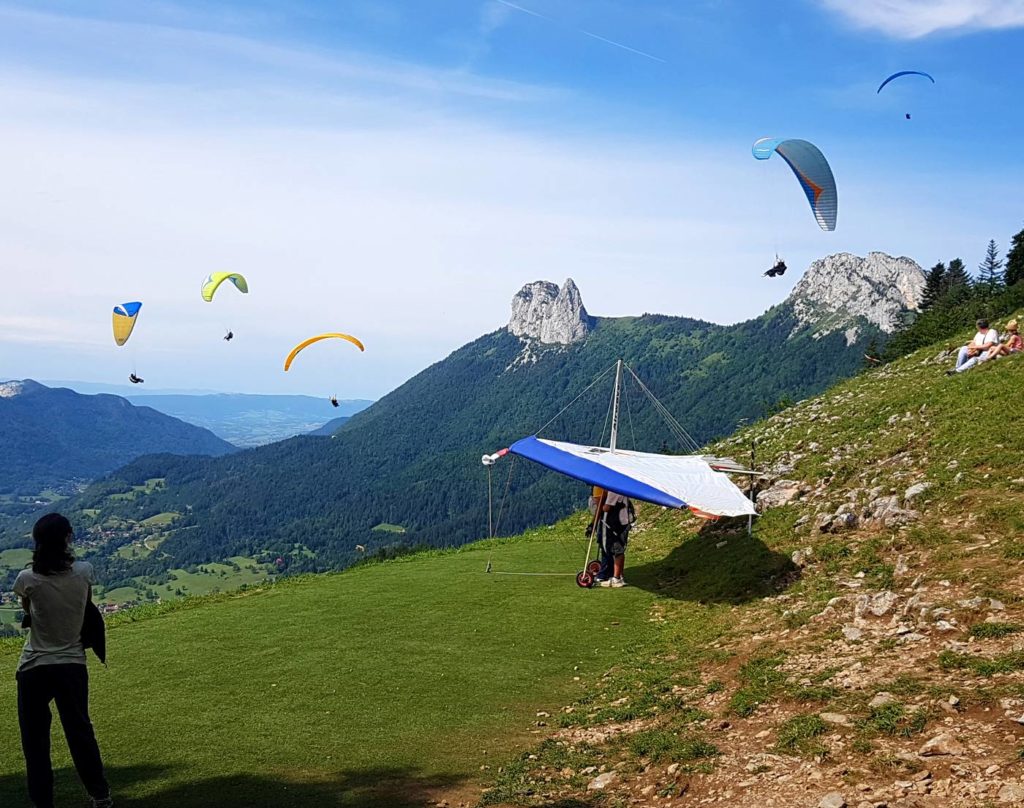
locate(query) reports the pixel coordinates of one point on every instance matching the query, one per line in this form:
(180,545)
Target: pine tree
(957,282)
(990,271)
(934,286)
(1015,260)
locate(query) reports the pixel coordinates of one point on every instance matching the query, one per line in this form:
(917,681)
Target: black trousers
(68,686)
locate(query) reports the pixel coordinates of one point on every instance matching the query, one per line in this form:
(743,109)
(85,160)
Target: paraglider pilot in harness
(135,379)
(334,401)
(229,336)
(778,269)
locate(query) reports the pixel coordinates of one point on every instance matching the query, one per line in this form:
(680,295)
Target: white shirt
(57,606)
(614,499)
(990,337)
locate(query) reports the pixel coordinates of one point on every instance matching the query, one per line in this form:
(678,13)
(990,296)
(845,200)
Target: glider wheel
(584,580)
(594,567)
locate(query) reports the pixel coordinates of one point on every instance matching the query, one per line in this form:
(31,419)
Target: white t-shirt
(57,606)
(990,337)
(614,499)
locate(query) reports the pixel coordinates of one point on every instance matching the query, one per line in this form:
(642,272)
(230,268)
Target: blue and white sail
(675,481)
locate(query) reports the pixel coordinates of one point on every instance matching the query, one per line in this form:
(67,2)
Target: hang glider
(696,482)
(675,481)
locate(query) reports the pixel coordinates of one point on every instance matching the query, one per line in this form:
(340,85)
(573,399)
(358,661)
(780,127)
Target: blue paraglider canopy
(904,73)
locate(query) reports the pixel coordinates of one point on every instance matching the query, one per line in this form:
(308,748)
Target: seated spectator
(976,350)
(1012,342)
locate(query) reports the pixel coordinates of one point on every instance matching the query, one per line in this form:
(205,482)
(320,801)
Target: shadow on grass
(400,787)
(721,564)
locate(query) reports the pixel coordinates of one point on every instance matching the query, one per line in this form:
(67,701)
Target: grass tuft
(661,745)
(993,631)
(762,680)
(1005,663)
(797,736)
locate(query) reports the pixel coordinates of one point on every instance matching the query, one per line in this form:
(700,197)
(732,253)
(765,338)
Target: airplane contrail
(624,47)
(583,31)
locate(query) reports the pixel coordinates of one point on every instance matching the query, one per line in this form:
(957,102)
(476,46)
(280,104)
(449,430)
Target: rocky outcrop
(555,316)
(12,389)
(842,291)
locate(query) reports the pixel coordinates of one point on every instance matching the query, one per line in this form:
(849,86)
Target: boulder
(915,491)
(942,744)
(781,492)
(602,781)
(801,558)
(833,800)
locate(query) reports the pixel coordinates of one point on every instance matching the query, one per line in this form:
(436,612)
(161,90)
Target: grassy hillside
(889,667)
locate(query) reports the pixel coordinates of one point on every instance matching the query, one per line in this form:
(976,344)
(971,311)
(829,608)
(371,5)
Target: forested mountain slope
(50,437)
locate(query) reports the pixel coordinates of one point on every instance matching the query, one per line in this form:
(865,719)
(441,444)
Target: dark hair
(982,323)
(51,554)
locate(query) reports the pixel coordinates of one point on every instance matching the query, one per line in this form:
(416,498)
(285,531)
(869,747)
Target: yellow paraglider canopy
(213,282)
(311,340)
(124,321)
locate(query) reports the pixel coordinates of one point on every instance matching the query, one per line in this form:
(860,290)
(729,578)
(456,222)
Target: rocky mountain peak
(11,389)
(544,312)
(840,290)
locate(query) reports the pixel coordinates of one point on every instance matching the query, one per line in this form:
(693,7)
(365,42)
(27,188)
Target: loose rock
(602,781)
(833,800)
(942,744)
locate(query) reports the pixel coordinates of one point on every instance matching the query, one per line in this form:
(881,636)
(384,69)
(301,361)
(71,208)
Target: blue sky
(399,169)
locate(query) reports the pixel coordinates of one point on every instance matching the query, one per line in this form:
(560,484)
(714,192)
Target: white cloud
(911,19)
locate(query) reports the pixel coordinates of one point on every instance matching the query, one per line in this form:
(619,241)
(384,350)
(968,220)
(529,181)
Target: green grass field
(376,686)
(385,527)
(147,488)
(15,559)
(209,578)
(161,519)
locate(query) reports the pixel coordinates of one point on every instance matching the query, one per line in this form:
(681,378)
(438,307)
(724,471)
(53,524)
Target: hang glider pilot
(617,517)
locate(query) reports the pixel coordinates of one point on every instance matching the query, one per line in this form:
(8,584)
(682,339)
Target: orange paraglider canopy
(302,345)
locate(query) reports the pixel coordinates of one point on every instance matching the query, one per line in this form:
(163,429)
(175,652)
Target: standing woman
(53,594)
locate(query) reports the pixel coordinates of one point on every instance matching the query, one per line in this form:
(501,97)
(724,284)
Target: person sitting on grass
(976,350)
(54,593)
(1011,344)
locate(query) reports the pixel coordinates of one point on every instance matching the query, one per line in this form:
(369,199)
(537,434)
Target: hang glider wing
(675,481)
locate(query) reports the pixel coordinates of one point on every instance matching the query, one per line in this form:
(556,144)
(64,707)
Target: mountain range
(54,438)
(244,419)
(413,458)
(251,420)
